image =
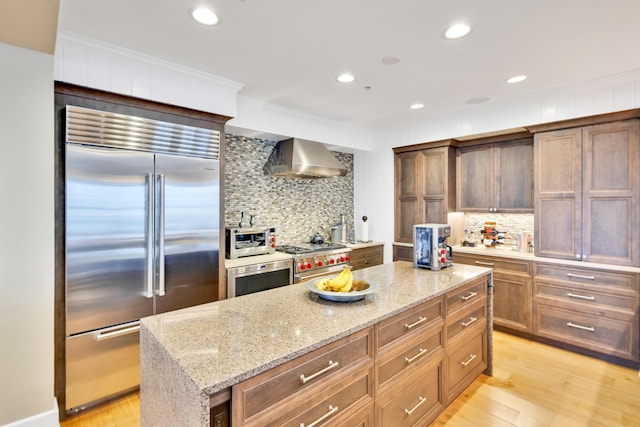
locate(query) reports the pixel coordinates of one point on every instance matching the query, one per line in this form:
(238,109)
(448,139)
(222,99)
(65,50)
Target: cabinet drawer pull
(587,297)
(468,297)
(416,323)
(410,411)
(584,328)
(490,264)
(471,358)
(332,410)
(420,353)
(580,276)
(304,379)
(471,320)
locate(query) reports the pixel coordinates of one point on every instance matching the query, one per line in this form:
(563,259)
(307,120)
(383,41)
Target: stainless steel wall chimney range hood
(299,158)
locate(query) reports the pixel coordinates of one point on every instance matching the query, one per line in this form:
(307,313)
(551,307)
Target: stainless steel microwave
(430,249)
(248,241)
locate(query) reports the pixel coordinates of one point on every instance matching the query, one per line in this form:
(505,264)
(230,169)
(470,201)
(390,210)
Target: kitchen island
(194,358)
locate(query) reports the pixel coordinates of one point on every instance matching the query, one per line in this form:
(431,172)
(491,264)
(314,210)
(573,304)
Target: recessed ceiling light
(416,106)
(456,31)
(204,16)
(345,78)
(516,79)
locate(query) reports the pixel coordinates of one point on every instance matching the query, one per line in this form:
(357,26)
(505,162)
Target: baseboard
(44,419)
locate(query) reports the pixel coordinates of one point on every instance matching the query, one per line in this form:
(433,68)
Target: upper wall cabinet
(587,202)
(495,177)
(424,189)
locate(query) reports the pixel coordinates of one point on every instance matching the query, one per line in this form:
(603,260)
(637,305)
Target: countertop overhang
(225,342)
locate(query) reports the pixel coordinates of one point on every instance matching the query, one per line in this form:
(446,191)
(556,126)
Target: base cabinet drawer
(466,359)
(414,402)
(466,295)
(465,320)
(408,324)
(589,298)
(267,396)
(366,257)
(329,408)
(394,366)
(616,337)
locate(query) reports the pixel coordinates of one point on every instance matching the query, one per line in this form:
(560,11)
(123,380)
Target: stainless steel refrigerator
(142,237)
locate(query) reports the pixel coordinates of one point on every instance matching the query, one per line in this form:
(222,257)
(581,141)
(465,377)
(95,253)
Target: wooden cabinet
(495,177)
(587,193)
(391,374)
(594,309)
(331,384)
(366,257)
(402,253)
(409,359)
(424,188)
(465,337)
(512,284)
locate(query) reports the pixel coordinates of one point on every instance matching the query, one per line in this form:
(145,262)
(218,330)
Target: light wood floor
(533,385)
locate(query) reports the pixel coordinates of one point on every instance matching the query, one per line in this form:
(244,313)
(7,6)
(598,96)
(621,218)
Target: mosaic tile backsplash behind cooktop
(297,207)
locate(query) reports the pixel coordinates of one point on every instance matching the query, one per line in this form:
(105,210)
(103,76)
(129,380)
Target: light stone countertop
(483,250)
(222,343)
(360,244)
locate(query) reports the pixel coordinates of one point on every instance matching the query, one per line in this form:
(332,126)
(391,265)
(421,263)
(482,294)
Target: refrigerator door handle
(160,228)
(117,331)
(149,184)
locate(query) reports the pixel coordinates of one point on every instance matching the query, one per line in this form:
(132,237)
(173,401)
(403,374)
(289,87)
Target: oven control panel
(319,260)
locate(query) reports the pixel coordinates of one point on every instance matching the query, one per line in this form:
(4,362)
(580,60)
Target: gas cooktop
(307,248)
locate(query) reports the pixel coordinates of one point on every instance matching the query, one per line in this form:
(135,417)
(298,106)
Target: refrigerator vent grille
(107,129)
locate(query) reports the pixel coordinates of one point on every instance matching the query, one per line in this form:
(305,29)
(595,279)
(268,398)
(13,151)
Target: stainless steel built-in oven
(252,278)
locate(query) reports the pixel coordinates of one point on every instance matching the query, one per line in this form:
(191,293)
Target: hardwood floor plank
(534,385)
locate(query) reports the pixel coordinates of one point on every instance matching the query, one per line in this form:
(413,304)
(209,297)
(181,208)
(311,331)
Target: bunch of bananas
(341,283)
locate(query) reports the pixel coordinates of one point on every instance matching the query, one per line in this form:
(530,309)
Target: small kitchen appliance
(429,246)
(249,241)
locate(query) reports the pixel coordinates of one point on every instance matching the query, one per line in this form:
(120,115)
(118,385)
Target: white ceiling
(288,52)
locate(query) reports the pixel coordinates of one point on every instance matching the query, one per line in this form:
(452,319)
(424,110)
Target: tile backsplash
(297,207)
(507,224)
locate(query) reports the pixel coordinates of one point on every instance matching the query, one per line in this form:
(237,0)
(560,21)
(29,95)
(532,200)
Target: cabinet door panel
(475,185)
(514,186)
(406,217)
(558,193)
(434,179)
(434,212)
(512,301)
(557,231)
(611,181)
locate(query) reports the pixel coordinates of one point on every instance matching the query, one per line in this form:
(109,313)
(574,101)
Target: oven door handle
(312,276)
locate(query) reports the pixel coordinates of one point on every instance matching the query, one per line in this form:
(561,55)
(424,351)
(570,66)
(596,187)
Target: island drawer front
(466,295)
(610,281)
(495,262)
(467,358)
(412,403)
(623,302)
(409,323)
(301,375)
(334,405)
(595,332)
(465,320)
(390,367)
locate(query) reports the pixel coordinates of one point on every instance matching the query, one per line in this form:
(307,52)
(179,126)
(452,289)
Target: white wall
(26,237)
(91,63)
(373,186)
